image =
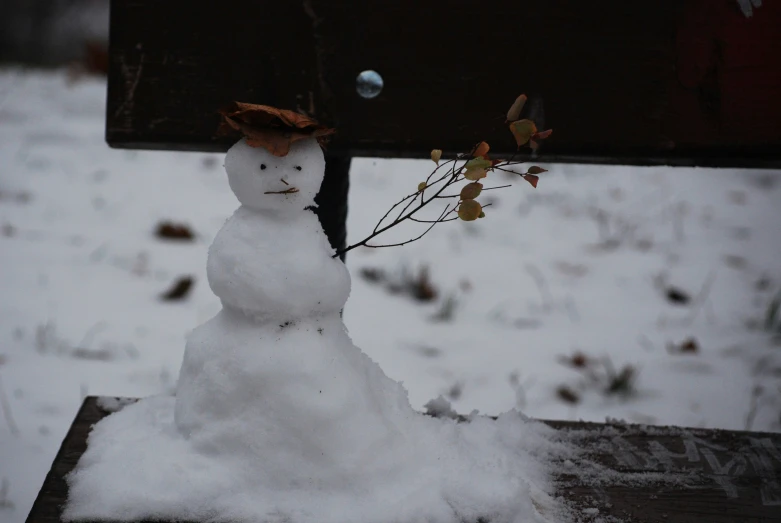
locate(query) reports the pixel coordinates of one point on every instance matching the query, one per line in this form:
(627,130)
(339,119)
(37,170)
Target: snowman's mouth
(289,190)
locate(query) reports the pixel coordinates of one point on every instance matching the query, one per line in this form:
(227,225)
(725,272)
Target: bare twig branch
(483,190)
(413,195)
(413,239)
(411,205)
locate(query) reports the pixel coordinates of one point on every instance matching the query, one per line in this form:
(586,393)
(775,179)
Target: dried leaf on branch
(469,210)
(515,109)
(471,191)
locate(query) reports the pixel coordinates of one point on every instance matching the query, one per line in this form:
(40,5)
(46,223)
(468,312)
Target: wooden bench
(662,82)
(620,81)
(730,476)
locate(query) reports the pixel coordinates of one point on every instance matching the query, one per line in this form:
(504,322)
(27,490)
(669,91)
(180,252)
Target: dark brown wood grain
(684,82)
(725,476)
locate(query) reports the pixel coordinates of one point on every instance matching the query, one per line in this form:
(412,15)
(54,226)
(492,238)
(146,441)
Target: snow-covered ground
(541,305)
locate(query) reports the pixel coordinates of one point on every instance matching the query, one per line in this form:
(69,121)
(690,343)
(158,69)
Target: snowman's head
(264,182)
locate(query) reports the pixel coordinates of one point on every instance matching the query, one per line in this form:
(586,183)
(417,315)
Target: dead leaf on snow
(179,290)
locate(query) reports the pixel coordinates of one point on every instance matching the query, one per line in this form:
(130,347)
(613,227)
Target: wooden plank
(730,476)
(683,82)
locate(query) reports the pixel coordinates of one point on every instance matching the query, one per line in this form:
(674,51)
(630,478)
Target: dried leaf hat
(269,127)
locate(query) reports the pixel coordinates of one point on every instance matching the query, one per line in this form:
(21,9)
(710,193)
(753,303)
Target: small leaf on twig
(523,130)
(421,186)
(471,191)
(542,134)
(531,179)
(475,174)
(536,137)
(515,109)
(481,150)
(436,154)
(481,215)
(478,163)
(476,168)
(534,169)
(469,210)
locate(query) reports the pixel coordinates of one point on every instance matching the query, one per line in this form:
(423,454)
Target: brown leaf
(174,231)
(534,169)
(269,127)
(531,179)
(469,210)
(689,345)
(179,290)
(677,296)
(534,140)
(567,395)
(542,134)
(523,130)
(436,155)
(481,150)
(471,191)
(515,109)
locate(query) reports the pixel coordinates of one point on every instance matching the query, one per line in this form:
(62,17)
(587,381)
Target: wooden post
(332,200)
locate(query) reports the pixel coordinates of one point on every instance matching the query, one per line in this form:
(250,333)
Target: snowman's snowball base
(138,467)
(279,417)
(294,423)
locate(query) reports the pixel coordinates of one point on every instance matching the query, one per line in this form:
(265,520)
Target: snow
(446,471)
(580,264)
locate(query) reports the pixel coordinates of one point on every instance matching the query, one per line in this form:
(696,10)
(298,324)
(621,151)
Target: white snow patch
(110,404)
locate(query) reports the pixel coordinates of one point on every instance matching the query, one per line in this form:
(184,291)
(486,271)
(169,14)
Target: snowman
(278,416)
(278,352)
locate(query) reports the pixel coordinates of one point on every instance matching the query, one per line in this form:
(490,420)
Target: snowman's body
(278,416)
(276,269)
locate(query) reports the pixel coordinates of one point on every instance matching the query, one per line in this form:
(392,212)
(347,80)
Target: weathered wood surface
(685,82)
(725,476)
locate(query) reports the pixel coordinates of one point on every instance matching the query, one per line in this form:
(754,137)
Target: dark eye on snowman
(298,167)
(263,167)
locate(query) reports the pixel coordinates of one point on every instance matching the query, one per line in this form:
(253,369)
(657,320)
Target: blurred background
(51,32)
(648,294)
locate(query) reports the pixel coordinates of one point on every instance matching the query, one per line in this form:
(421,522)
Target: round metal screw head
(368,84)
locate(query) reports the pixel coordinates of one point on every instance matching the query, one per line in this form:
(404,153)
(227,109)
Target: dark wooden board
(731,477)
(684,82)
